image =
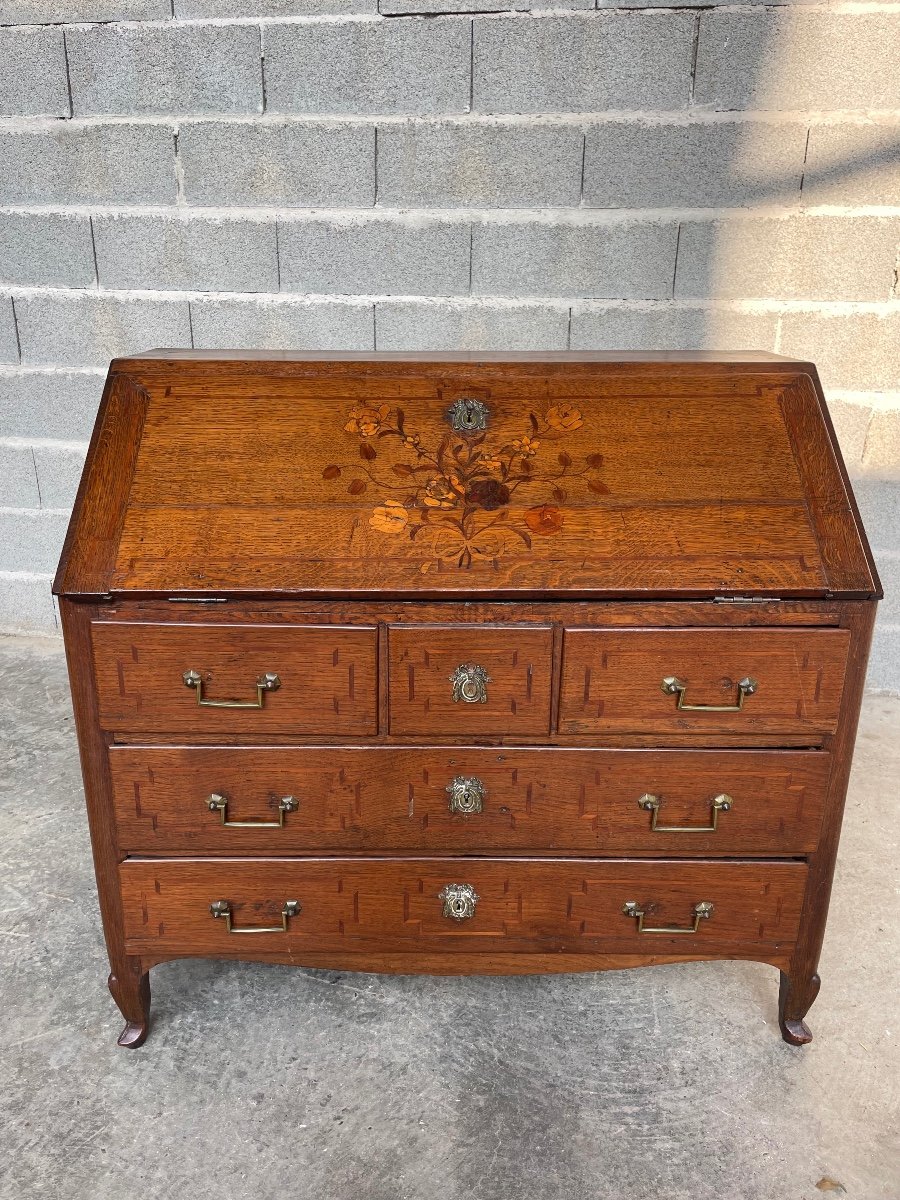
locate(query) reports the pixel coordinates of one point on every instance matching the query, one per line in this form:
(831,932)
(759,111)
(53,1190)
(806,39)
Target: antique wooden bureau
(465,663)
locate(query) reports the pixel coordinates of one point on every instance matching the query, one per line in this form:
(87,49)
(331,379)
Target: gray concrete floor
(270,1082)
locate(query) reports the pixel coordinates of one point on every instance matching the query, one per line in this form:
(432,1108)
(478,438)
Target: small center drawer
(469,680)
(236,679)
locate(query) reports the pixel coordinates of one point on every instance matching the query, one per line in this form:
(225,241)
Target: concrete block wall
(431,174)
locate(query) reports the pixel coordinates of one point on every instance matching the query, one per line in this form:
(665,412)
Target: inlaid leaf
(402,470)
(564,460)
(367,451)
(559,494)
(595,461)
(331,472)
(357,487)
(534,422)
(598,486)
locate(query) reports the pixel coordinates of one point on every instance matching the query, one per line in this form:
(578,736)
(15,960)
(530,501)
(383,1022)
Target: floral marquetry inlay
(467,497)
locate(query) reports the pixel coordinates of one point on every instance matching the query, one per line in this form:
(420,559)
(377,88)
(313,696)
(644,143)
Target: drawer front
(705,681)
(326,678)
(447,905)
(469,680)
(436,799)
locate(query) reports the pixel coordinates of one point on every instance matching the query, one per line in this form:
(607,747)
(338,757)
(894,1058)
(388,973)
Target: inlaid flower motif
(564,417)
(488,494)
(442,492)
(367,421)
(527,446)
(545,519)
(390,517)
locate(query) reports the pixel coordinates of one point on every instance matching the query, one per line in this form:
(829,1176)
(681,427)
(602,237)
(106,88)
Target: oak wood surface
(395,904)
(613,680)
(384,800)
(327,677)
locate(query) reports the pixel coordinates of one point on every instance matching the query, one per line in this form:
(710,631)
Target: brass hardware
(219,803)
(470,684)
(702,912)
(719,804)
(459,901)
(222,908)
(673,686)
(265,683)
(466,794)
(467,415)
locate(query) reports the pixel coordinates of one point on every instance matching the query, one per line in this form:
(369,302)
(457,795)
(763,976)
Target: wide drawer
(236,679)
(437,799)
(706,681)
(452,905)
(470,680)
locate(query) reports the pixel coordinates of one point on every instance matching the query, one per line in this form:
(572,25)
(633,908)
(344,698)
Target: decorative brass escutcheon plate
(466,794)
(459,901)
(468,415)
(470,684)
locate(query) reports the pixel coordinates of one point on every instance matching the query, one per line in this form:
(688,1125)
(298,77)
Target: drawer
(325,678)
(693,681)
(701,802)
(450,905)
(470,680)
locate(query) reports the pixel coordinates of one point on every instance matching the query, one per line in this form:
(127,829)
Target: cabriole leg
(131,991)
(795,999)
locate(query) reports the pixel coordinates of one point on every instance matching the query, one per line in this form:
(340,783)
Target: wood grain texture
(612,681)
(387,904)
(327,678)
(594,477)
(423,658)
(383,800)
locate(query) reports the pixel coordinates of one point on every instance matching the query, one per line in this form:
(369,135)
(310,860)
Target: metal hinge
(746,599)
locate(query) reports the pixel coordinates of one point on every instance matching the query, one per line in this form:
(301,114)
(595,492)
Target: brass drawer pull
(673,686)
(459,901)
(722,803)
(702,912)
(219,803)
(265,683)
(466,794)
(222,908)
(470,684)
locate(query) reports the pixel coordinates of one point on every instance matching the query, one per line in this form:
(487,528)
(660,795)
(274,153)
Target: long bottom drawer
(207,906)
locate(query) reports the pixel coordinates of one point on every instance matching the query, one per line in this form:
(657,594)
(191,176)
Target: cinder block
(59,473)
(9,345)
(796,258)
(31,539)
(186,252)
(46,249)
(36,12)
(26,604)
(165,69)
(422,257)
(853,351)
(665,327)
(406,325)
(792,59)
(275,324)
(406,7)
(71,163)
(415,66)
(852,164)
(583,63)
(18,478)
(851,423)
(81,330)
(498,166)
(881,455)
(632,165)
(271,8)
(278,164)
(884,660)
(879,507)
(633,261)
(33,72)
(49,404)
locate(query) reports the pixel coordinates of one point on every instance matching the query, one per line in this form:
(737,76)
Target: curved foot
(134,1034)
(131,991)
(795,998)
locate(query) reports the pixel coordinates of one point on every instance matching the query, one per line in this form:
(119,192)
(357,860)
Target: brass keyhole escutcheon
(466,794)
(467,415)
(470,684)
(459,901)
